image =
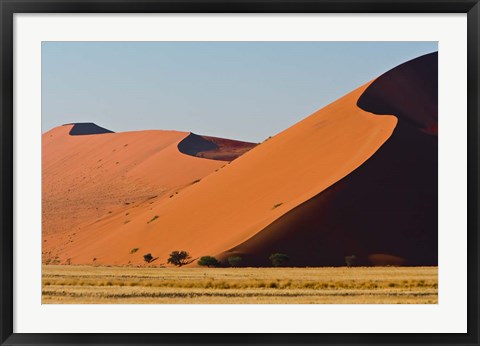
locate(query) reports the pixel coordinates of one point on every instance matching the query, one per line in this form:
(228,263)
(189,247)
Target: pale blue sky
(238,90)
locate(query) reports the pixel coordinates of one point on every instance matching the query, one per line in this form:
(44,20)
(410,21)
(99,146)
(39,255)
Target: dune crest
(410,91)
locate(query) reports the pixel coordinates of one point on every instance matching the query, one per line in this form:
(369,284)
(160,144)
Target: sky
(239,90)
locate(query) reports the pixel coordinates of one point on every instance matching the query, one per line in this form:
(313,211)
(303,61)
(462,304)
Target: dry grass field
(126,285)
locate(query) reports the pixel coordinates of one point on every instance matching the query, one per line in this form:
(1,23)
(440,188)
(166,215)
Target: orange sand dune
(230,206)
(89,177)
(158,199)
(385,212)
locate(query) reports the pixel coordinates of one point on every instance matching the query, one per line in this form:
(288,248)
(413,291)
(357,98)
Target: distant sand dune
(88,179)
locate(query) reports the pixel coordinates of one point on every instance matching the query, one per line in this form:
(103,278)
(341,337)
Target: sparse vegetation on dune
(208,261)
(153,219)
(179,258)
(370,285)
(234,261)
(279,259)
(350,260)
(147,257)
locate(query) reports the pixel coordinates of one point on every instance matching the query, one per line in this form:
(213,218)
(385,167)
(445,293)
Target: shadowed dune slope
(385,212)
(213,148)
(79,129)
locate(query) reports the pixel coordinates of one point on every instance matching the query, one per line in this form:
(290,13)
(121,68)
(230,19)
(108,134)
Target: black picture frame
(10,7)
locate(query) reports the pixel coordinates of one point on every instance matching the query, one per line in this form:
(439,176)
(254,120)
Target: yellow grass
(126,285)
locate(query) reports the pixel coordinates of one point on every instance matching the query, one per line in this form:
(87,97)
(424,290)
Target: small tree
(208,261)
(179,258)
(350,260)
(234,261)
(279,259)
(148,257)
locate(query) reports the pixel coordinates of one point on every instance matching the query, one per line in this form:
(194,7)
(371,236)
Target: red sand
(224,209)
(106,194)
(91,178)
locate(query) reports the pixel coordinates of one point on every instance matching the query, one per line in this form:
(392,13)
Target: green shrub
(208,261)
(148,257)
(153,219)
(350,260)
(234,261)
(279,259)
(179,258)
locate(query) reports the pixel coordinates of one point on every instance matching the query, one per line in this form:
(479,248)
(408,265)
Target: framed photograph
(246,172)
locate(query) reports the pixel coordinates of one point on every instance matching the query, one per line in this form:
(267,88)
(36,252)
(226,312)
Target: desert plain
(326,285)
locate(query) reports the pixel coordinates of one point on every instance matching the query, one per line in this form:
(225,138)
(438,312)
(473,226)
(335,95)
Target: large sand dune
(385,212)
(90,174)
(357,177)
